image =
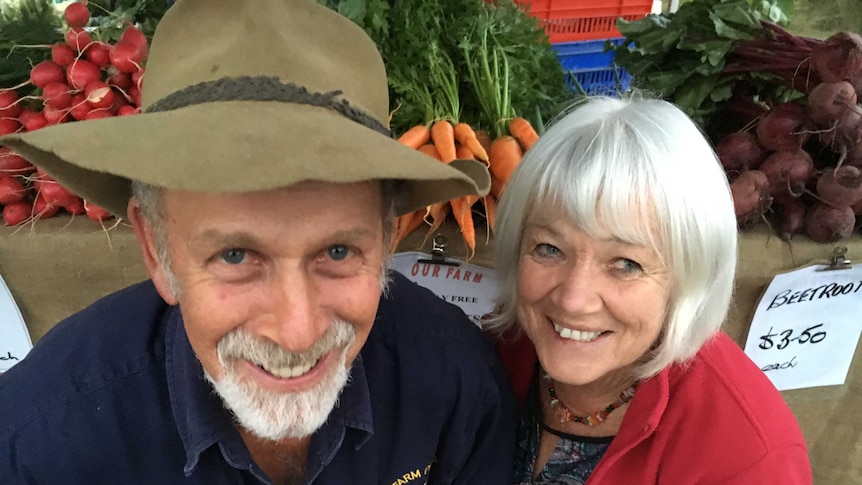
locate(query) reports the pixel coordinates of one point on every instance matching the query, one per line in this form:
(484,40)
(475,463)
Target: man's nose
(296,319)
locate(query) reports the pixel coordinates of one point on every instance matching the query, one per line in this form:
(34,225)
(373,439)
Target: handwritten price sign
(806,327)
(14,339)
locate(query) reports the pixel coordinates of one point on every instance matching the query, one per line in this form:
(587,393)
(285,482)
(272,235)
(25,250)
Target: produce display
(781,109)
(84,78)
(468,79)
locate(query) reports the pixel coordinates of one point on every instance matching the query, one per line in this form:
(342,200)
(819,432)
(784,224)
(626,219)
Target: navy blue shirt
(114,395)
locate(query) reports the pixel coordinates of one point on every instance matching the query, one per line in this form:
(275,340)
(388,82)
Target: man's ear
(147,241)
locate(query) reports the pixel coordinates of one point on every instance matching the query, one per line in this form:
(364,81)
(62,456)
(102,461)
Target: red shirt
(717,420)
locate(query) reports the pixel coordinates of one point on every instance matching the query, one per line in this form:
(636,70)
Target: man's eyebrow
(217,238)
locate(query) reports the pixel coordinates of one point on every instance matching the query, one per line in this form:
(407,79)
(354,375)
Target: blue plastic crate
(594,68)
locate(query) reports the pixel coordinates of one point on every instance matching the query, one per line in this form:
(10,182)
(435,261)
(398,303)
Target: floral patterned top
(573,459)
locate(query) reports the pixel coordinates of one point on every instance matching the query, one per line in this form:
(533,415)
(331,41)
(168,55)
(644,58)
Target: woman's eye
(546,250)
(625,265)
(233,256)
(338,253)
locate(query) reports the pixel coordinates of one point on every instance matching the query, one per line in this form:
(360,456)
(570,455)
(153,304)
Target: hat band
(263,88)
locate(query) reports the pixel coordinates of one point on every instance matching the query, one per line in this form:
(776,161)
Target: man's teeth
(576,334)
(289,372)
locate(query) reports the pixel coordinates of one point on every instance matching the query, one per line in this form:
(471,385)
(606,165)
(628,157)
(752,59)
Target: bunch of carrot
(446,142)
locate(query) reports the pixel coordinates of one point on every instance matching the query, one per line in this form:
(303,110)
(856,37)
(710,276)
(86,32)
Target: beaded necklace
(594,419)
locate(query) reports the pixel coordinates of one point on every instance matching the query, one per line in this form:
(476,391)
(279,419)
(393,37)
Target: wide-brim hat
(243,96)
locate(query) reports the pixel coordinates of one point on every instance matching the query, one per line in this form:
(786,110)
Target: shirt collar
(202,420)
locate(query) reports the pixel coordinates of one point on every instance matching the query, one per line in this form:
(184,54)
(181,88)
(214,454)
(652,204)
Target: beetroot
(751,197)
(828,102)
(786,126)
(788,172)
(792,212)
(838,58)
(739,151)
(841,186)
(828,224)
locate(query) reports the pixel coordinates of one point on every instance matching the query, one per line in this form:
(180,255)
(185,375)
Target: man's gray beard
(273,415)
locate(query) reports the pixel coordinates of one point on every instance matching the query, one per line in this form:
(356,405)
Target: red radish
(55,194)
(788,172)
(121,80)
(42,209)
(828,102)
(95,212)
(80,107)
(57,95)
(138,79)
(55,115)
(62,54)
(32,120)
(9,107)
(840,186)
(75,207)
(739,151)
(98,114)
(135,95)
(77,15)
(838,58)
(751,198)
(11,190)
(128,110)
(98,53)
(12,163)
(45,73)
(17,213)
(77,38)
(99,94)
(9,126)
(132,35)
(82,72)
(792,217)
(828,224)
(126,57)
(784,127)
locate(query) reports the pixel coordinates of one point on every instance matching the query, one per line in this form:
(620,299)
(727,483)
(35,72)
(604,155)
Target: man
(262,190)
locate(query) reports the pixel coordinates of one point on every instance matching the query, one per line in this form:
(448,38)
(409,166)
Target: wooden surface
(61,267)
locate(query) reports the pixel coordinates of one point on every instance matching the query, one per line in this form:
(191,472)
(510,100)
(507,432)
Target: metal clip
(438,252)
(838,261)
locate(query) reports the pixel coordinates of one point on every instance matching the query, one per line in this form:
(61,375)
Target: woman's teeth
(576,334)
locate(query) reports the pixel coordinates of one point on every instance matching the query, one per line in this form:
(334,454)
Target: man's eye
(338,253)
(233,256)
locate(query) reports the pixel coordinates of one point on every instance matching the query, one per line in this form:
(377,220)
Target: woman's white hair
(641,171)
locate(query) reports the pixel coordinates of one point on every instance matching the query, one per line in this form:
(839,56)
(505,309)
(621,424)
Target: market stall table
(60,266)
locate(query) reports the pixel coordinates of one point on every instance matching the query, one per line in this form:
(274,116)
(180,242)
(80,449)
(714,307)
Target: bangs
(603,185)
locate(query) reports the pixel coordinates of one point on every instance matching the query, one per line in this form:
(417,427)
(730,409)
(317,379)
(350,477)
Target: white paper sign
(806,327)
(471,287)
(14,339)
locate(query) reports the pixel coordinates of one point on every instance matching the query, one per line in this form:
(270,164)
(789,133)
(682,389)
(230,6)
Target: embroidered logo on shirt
(412,476)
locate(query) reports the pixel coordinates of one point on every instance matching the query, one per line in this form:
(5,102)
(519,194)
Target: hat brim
(237,146)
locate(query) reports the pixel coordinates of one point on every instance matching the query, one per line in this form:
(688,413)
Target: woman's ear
(149,249)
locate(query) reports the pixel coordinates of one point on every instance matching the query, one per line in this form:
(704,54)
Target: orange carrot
(437,214)
(406,224)
(504,156)
(443,135)
(496,187)
(490,211)
(465,135)
(485,139)
(415,137)
(521,129)
(464,153)
(430,150)
(464,218)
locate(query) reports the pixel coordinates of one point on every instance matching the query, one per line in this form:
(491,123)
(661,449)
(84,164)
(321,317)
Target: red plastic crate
(573,20)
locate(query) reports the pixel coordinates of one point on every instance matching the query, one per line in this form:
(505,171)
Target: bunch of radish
(85,79)
(802,161)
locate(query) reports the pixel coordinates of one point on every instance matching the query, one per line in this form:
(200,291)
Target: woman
(623,226)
